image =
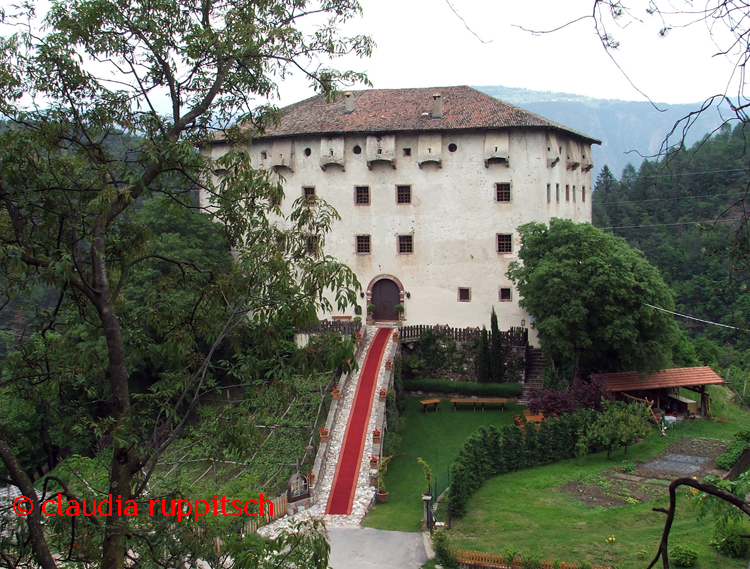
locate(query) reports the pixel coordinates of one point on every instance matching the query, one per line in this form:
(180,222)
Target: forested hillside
(627,129)
(687,214)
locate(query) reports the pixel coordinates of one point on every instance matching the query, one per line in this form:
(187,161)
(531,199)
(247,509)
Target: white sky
(422,43)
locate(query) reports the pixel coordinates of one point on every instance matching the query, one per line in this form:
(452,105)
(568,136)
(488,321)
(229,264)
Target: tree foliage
(618,425)
(589,293)
(107,107)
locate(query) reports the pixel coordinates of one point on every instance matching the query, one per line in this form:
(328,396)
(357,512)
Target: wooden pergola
(659,385)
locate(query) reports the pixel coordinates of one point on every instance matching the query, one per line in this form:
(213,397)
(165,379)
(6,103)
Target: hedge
(735,451)
(489,452)
(464,387)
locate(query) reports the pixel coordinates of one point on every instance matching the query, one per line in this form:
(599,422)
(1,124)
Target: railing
(514,336)
(478,560)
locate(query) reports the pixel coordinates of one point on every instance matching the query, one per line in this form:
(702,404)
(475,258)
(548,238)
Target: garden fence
(514,336)
(479,560)
(441,483)
(344,327)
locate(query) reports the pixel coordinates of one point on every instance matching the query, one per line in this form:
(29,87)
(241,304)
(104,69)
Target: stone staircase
(536,367)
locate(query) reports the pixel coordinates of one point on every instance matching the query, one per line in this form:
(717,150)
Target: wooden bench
(529,416)
(474,401)
(427,402)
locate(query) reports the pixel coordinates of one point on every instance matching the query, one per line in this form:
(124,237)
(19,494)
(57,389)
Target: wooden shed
(680,390)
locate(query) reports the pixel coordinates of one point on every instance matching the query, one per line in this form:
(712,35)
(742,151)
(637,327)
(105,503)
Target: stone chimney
(349,100)
(437,106)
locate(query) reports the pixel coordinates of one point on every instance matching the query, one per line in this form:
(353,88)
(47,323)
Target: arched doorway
(385,296)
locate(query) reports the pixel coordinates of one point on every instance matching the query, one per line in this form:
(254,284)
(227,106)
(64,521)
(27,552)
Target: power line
(741,193)
(666,224)
(694,318)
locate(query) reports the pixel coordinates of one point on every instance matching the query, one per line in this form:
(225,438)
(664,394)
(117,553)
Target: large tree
(590,294)
(103,108)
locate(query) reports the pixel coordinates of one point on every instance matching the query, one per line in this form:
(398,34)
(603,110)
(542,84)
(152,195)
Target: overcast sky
(422,43)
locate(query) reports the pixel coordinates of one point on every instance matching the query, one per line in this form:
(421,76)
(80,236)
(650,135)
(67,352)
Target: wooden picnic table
(427,402)
(529,416)
(479,400)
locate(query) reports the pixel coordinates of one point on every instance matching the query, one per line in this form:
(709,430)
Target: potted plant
(382,493)
(376,436)
(399,308)
(427,476)
(388,364)
(358,336)
(374,461)
(370,313)
(357,319)
(383,394)
(395,336)
(336,393)
(323,435)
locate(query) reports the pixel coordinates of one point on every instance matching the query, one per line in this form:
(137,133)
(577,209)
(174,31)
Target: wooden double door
(385,297)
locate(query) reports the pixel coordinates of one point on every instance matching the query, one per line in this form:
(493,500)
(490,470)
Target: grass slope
(521,507)
(435,437)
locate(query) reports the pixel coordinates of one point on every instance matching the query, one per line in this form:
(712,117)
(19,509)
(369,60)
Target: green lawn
(435,437)
(523,507)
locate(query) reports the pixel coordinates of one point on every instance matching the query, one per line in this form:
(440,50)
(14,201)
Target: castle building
(431,185)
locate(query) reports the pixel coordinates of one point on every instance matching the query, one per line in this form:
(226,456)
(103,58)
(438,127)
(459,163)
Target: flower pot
(395,337)
(376,439)
(336,395)
(723,420)
(382,396)
(323,438)
(373,463)
(381,497)
(638,441)
(388,366)
(713,419)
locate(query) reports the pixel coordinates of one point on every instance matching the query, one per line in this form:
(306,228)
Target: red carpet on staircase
(344,486)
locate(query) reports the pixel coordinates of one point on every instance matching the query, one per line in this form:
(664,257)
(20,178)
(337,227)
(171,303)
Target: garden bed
(637,482)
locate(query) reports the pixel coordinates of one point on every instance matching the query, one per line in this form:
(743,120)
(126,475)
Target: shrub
(510,552)
(682,556)
(742,436)
(627,468)
(727,460)
(464,387)
(584,565)
(733,545)
(531,561)
(443,552)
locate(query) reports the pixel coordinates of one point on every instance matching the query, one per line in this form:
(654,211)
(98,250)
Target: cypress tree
(483,358)
(497,372)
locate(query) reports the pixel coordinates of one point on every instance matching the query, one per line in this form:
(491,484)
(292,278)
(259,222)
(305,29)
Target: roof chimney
(437,106)
(349,100)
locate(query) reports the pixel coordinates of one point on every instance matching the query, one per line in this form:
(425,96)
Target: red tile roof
(677,377)
(399,110)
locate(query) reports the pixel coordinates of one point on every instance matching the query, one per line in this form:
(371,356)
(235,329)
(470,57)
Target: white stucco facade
(454,212)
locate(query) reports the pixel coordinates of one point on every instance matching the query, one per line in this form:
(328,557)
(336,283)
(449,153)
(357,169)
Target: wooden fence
(478,560)
(345,327)
(280,506)
(514,336)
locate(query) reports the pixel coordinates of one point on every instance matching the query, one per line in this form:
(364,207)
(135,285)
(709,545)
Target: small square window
(311,245)
(502,192)
(403,194)
(363,244)
(505,295)
(504,243)
(567,193)
(557,192)
(362,195)
(407,151)
(263,155)
(583,193)
(464,295)
(308,191)
(405,244)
